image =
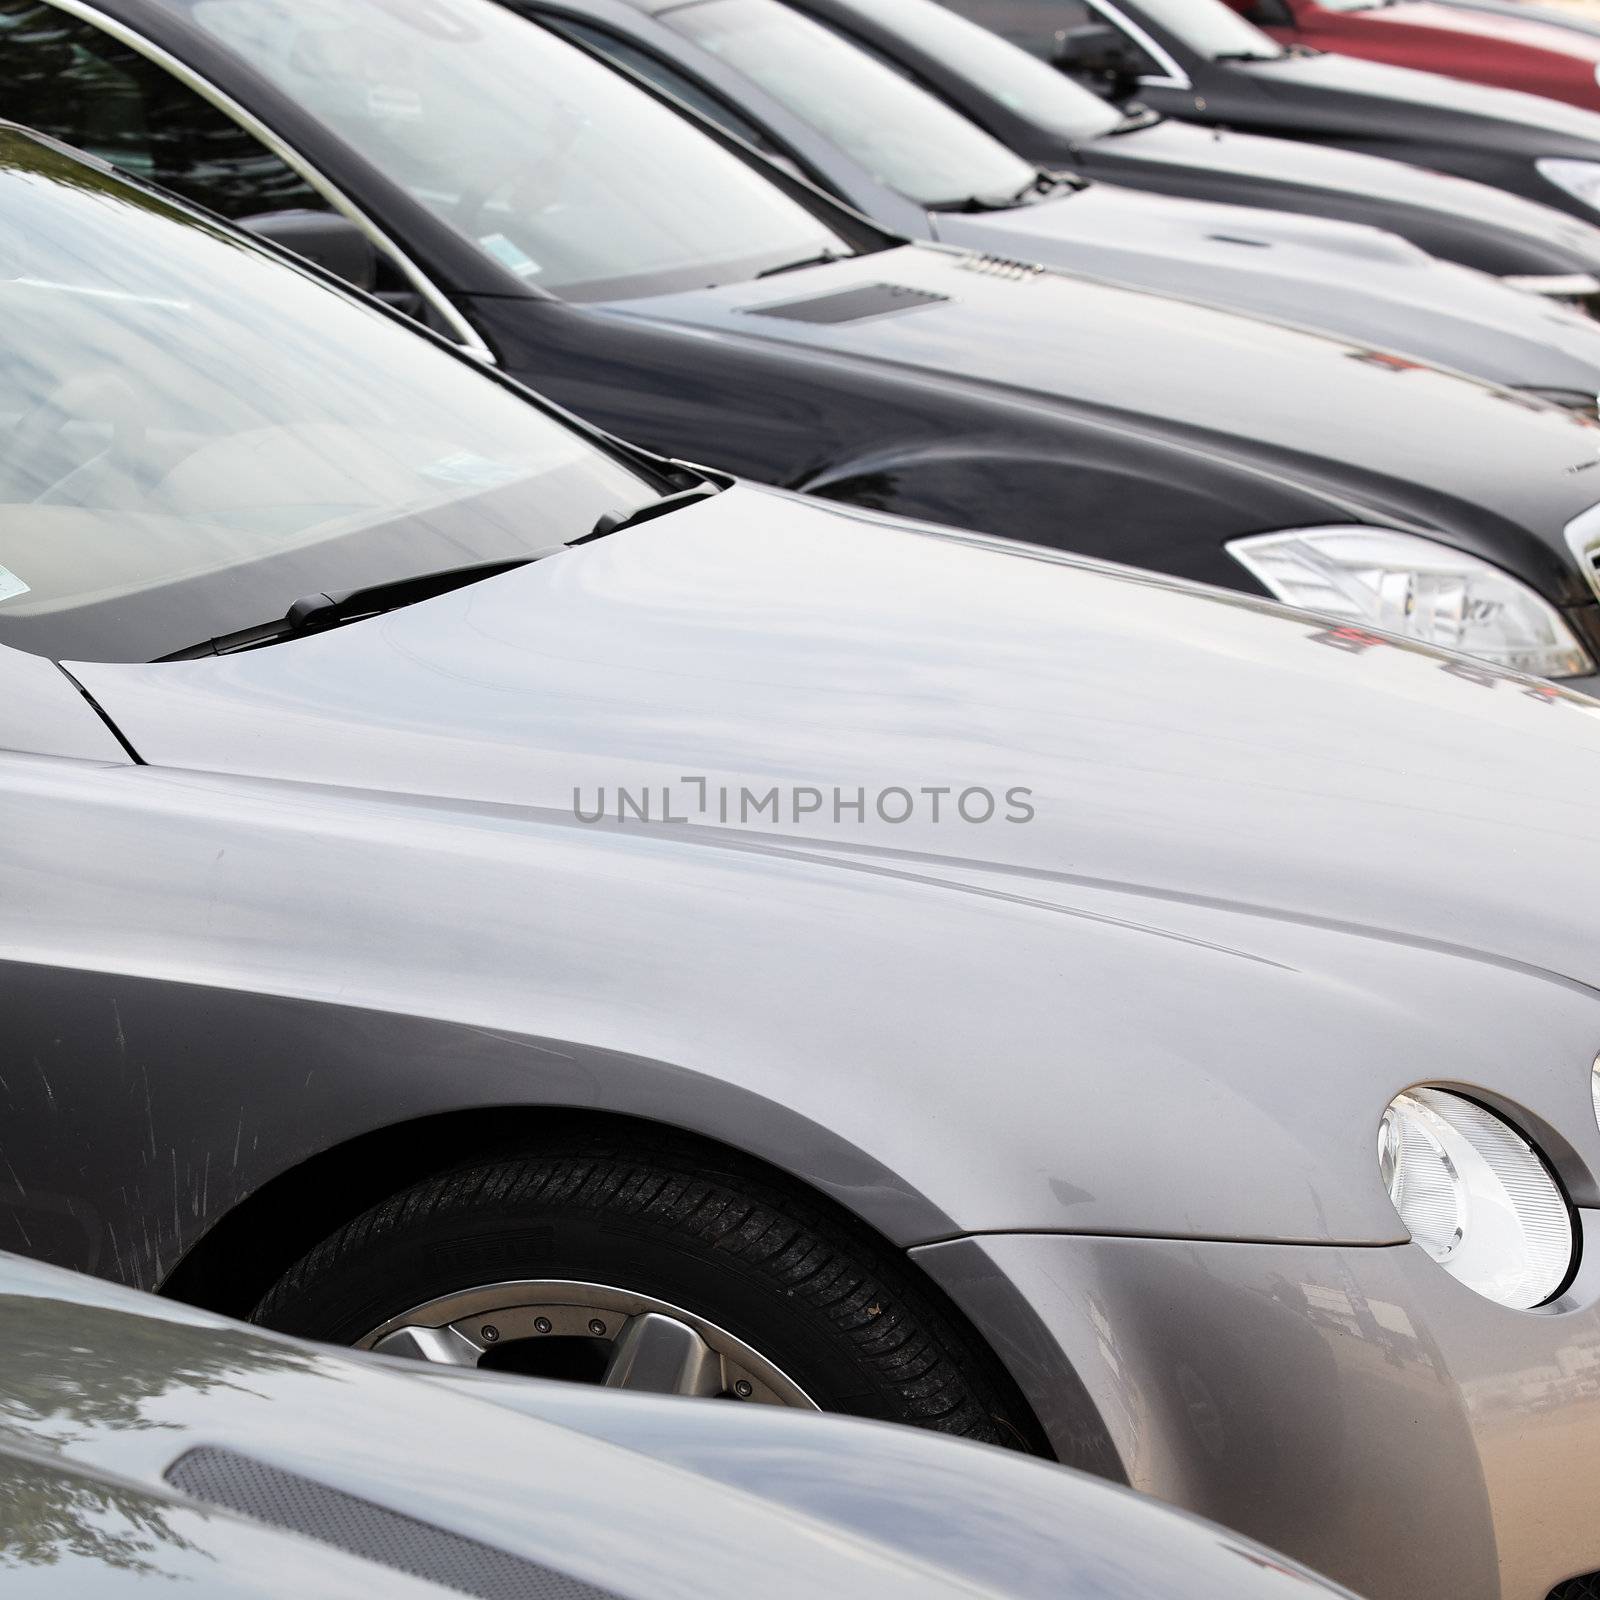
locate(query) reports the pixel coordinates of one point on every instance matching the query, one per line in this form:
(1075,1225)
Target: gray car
(147,1449)
(476,892)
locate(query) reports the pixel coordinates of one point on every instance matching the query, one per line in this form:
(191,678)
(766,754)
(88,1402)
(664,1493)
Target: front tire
(701,1274)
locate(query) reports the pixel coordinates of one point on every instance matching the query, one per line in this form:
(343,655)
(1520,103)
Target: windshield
(565,173)
(1003,71)
(194,435)
(904,136)
(1211,29)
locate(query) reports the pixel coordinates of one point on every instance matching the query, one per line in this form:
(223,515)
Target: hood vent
(851,305)
(1001,267)
(373,1533)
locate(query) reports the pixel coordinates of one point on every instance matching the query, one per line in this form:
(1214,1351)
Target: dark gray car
(474,891)
(147,1449)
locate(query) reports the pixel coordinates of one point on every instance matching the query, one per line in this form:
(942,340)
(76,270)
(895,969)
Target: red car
(1507,52)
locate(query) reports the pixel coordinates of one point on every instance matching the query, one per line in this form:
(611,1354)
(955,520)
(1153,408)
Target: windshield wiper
(1134,117)
(1249,55)
(1042,183)
(614,521)
(315,613)
(826,259)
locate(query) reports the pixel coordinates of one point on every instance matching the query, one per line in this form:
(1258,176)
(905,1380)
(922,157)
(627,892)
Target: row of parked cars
(861,706)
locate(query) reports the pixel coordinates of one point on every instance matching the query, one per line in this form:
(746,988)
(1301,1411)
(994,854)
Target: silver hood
(1241,828)
(1367,286)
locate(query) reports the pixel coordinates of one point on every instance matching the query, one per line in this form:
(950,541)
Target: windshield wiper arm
(614,521)
(315,613)
(1040,184)
(1248,55)
(826,259)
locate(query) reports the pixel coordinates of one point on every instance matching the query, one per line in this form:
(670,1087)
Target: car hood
(1180,744)
(144,1443)
(1297,165)
(1528,122)
(1361,428)
(1368,286)
(1470,28)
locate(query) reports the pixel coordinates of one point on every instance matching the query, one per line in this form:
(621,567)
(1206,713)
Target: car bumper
(1354,1407)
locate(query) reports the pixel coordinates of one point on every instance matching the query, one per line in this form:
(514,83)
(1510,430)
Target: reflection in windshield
(570,177)
(193,435)
(904,136)
(1022,83)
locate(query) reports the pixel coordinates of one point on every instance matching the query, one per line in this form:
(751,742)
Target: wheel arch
(231,1266)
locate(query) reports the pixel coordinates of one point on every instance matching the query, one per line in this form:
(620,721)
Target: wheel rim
(632,1341)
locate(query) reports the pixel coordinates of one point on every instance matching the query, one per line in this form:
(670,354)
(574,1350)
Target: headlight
(1419,589)
(1475,1196)
(1595,1086)
(1580,179)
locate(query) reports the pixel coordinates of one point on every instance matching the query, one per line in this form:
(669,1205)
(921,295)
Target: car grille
(1585,1588)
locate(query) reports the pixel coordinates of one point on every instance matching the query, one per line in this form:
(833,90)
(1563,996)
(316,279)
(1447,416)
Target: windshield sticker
(471,471)
(11,585)
(510,254)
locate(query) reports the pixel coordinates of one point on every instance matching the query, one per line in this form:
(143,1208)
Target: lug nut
(744,1389)
(541,1324)
(597,1327)
(488,1333)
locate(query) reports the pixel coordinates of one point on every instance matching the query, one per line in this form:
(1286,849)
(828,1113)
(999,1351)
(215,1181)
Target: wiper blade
(826,259)
(1037,187)
(614,521)
(315,613)
(1249,55)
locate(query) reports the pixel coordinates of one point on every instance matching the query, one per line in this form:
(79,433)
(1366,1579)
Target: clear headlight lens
(1419,589)
(1475,1196)
(1595,1085)
(1580,179)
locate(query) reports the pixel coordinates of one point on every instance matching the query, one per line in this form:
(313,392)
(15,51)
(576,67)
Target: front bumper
(1354,1407)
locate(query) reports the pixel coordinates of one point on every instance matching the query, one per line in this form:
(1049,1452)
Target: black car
(1201,61)
(1052,120)
(662,279)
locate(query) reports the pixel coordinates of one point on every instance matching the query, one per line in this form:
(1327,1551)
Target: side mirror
(1098,50)
(327,238)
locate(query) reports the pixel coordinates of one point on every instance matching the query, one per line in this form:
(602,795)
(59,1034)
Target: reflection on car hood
(1302,165)
(1315,409)
(1177,742)
(1527,115)
(1368,286)
(103,1391)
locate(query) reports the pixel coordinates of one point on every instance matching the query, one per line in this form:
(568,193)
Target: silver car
(474,891)
(146,1449)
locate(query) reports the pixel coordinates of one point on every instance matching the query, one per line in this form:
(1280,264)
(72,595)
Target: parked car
(809,97)
(1504,51)
(622,258)
(1050,119)
(623,924)
(1203,62)
(149,1449)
